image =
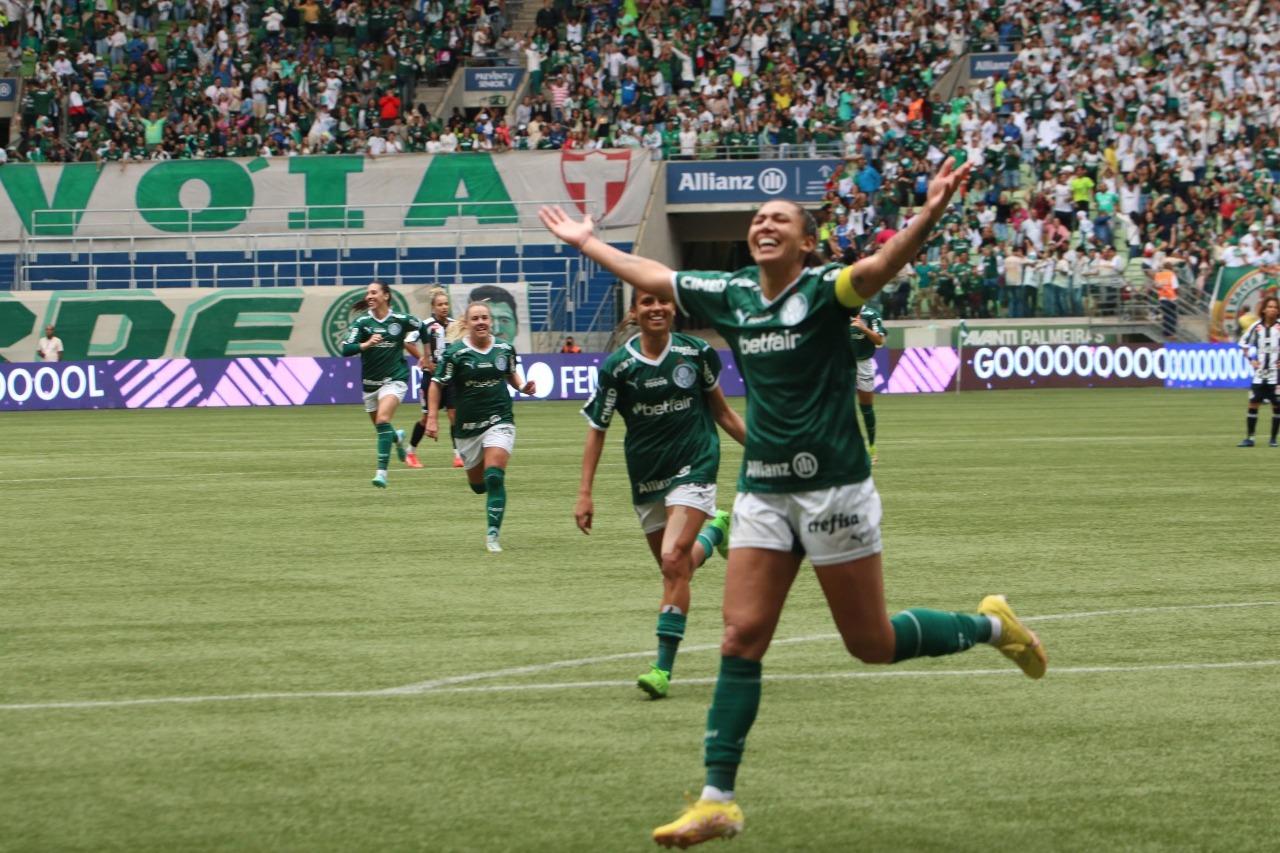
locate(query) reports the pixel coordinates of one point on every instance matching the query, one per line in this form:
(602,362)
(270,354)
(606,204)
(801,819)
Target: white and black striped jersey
(1262,342)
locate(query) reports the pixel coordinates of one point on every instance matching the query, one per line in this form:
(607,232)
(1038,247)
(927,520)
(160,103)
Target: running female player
(480,366)
(378,337)
(805,484)
(1261,345)
(434,342)
(666,386)
(866,335)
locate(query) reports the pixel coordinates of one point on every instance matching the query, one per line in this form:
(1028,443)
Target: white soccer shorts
(472,449)
(831,526)
(699,496)
(867,374)
(390,389)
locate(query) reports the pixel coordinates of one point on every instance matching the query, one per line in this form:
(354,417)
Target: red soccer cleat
(457,462)
(412,460)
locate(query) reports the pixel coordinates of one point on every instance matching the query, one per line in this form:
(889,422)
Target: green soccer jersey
(384,361)
(858,340)
(794,357)
(671,436)
(479,378)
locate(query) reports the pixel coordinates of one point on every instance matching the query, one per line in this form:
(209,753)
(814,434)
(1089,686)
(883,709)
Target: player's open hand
(945,184)
(583,512)
(565,227)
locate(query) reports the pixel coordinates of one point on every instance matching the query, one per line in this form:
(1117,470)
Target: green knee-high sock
(869,418)
(670,632)
(710,538)
(918,632)
(733,710)
(386,438)
(496,502)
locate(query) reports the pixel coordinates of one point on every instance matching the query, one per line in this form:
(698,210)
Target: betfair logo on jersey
(707,285)
(482,383)
(666,407)
(768,342)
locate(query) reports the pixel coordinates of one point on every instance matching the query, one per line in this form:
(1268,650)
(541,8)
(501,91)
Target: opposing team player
(666,386)
(866,335)
(805,485)
(434,342)
(379,337)
(481,367)
(1261,346)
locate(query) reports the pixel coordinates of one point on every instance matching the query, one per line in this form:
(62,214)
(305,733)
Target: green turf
(205,553)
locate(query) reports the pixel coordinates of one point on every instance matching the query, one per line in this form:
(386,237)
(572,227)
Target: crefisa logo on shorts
(804,464)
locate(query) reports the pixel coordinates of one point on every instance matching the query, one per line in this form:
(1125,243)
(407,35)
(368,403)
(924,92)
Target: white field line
(456,684)
(263,473)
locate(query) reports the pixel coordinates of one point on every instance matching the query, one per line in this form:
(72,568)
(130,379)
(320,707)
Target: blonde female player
(434,341)
(666,386)
(379,337)
(805,485)
(479,367)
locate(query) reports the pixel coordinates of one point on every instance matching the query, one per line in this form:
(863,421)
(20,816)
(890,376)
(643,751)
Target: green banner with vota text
(291,194)
(223,322)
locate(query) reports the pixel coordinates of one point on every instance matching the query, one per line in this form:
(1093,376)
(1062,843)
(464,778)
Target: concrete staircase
(432,96)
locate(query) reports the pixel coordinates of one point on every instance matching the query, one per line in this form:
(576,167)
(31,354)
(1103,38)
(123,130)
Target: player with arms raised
(1261,346)
(481,367)
(666,386)
(805,484)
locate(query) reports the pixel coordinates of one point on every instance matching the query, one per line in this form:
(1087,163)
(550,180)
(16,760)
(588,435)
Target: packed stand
(114,80)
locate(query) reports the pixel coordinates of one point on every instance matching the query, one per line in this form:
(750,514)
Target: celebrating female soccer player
(481,365)
(866,334)
(667,387)
(434,338)
(378,337)
(805,484)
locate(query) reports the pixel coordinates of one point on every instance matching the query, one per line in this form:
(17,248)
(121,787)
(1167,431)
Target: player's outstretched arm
(433,411)
(643,273)
(867,277)
(728,419)
(584,509)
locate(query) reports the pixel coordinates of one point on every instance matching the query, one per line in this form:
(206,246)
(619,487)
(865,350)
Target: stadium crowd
(1124,129)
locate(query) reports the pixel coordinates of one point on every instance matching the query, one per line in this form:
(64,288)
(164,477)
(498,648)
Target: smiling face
(1270,310)
(652,314)
(479,323)
(378,296)
(779,233)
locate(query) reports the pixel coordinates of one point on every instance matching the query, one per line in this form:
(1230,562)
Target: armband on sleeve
(845,292)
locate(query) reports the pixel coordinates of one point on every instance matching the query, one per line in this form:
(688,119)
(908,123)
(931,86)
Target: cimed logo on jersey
(794,310)
(684,375)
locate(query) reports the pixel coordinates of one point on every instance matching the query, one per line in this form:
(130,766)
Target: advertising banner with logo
(1029,332)
(502,80)
(990,64)
(753,181)
(316,193)
(200,323)
(1236,294)
(1064,366)
(8,88)
(1207,366)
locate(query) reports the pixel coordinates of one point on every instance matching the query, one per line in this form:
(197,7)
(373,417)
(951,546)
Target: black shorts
(446,395)
(1263,392)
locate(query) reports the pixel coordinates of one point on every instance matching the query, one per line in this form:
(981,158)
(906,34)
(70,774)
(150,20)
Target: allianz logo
(770,181)
(768,342)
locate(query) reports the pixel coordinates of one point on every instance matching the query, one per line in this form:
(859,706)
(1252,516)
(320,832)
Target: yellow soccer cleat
(701,821)
(1017,642)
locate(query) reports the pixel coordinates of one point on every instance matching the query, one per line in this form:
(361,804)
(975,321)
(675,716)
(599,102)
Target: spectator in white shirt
(50,346)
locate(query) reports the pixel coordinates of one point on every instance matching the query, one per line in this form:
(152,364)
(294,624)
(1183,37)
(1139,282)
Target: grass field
(203,615)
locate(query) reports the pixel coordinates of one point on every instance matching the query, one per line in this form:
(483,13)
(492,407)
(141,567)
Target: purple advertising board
(179,383)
